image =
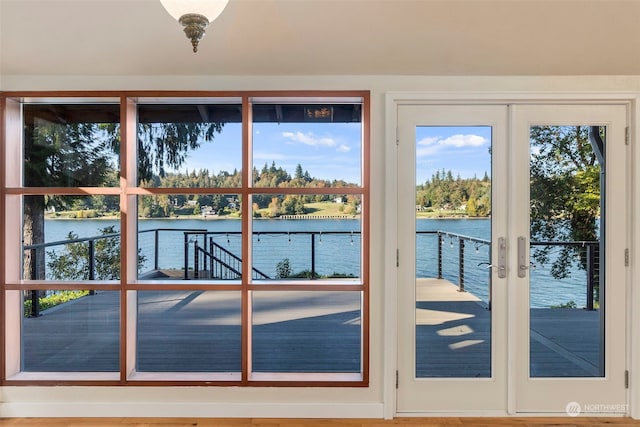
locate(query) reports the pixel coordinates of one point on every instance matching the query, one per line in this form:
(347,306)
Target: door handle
(502,258)
(523,265)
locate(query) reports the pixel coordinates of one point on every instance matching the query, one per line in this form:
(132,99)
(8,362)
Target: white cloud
(432,145)
(464,141)
(343,148)
(429,140)
(309,139)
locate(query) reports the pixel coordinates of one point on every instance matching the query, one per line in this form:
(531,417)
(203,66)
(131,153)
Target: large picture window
(186,239)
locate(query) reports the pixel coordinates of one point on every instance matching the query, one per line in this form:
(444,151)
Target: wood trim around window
(129,285)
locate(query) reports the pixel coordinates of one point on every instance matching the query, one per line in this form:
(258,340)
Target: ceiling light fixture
(194,15)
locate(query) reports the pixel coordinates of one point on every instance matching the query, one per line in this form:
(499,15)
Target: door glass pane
(567,275)
(453,238)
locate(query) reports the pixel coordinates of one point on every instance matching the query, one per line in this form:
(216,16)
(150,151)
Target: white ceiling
(324,37)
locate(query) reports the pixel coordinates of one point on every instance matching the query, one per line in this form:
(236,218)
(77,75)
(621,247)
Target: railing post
(35,297)
(211,257)
(460,265)
(196,263)
(157,250)
(186,256)
(92,263)
(590,278)
(92,260)
(313,256)
(35,304)
(439,255)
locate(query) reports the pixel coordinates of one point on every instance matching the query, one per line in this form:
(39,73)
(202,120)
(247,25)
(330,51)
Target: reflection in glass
(567,275)
(189,237)
(71,237)
(190,145)
(306,332)
(71,331)
(188,331)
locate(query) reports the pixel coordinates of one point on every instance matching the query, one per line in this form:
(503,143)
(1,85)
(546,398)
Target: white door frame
(392,101)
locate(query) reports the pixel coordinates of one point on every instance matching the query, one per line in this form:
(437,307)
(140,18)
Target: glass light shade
(209,8)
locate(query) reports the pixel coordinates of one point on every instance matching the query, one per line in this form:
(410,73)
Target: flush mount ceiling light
(194,15)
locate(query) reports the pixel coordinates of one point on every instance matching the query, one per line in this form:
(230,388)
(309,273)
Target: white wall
(378,399)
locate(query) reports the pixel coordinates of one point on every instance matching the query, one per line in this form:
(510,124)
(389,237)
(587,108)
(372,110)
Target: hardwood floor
(252,422)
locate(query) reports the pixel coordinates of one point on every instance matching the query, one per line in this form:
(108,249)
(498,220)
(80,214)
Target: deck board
(453,336)
(197,331)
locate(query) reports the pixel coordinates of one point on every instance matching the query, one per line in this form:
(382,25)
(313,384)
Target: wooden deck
(453,336)
(196,331)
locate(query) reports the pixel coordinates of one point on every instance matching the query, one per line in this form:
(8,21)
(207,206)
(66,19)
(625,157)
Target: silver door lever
(522,257)
(502,259)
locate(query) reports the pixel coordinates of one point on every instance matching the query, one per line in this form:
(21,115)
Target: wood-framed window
(201,238)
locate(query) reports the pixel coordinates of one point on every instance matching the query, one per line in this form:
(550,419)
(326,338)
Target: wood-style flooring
(252,422)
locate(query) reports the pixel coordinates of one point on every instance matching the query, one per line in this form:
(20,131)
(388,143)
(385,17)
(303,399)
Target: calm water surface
(334,253)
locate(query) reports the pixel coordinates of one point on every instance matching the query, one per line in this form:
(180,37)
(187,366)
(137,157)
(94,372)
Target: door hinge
(626,257)
(626,379)
(397,257)
(626,135)
(397,137)
(397,378)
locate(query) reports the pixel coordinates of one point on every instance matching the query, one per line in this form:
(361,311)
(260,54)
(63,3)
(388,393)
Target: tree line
(264,205)
(443,192)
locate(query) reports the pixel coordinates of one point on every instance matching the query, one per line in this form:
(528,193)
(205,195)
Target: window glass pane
(189,145)
(319,240)
(71,331)
(307,145)
(194,236)
(71,145)
(189,331)
(71,237)
(306,331)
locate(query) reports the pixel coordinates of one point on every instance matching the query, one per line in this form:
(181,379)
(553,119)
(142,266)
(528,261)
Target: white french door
(512,225)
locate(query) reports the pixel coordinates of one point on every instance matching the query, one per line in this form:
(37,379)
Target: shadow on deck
(453,336)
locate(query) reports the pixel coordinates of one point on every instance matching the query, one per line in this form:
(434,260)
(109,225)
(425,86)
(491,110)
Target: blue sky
(332,150)
(462,149)
(327,150)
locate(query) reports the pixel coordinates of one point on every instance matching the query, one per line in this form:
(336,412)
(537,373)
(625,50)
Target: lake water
(334,253)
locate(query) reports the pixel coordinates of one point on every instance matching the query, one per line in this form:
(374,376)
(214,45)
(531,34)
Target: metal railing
(215,261)
(591,264)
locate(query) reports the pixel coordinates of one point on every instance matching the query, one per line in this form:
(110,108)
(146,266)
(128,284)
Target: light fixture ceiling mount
(194,16)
